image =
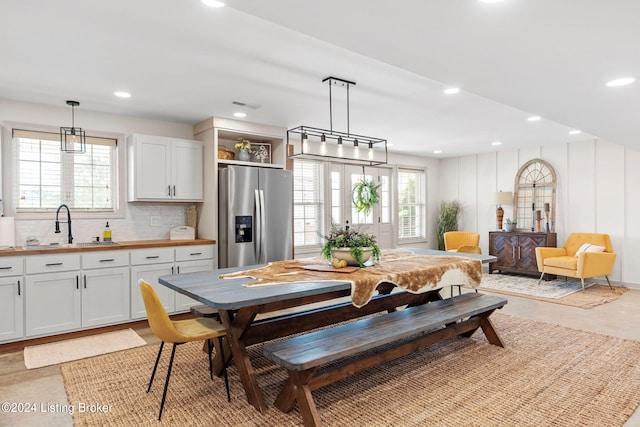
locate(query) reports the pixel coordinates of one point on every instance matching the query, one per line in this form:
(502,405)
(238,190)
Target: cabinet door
(150,273)
(183,302)
(52,303)
(187,169)
(527,252)
(152,167)
(105,296)
(11,308)
(504,248)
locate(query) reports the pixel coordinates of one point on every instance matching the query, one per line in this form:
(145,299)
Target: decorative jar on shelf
(244,155)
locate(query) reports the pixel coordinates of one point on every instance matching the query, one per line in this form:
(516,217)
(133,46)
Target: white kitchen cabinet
(105,288)
(52,303)
(164,169)
(11,298)
(149,264)
(192,259)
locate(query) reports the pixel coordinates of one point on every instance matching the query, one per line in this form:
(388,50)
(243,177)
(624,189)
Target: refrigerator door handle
(258,224)
(263,228)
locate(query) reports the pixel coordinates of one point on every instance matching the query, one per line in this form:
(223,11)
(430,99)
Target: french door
(378,221)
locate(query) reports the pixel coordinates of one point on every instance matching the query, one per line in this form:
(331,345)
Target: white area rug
(38,356)
(553,289)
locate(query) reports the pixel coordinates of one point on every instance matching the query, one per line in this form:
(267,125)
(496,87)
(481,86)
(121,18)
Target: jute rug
(559,291)
(38,356)
(546,376)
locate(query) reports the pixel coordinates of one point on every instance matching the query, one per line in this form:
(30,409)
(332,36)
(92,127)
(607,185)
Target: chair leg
(224,369)
(607,277)
(166,384)
(153,374)
(540,279)
(582,280)
(210,350)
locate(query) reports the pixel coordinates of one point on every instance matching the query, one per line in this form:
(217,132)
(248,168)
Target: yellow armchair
(564,261)
(454,241)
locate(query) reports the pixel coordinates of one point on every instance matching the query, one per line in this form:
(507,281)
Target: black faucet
(68,221)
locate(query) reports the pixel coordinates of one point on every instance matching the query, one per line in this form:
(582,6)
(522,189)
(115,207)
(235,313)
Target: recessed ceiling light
(240,114)
(437,151)
(213,3)
(121,94)
(490,1)
(496,143)
(451,90)
(534,118)
(621,82)
(574,132)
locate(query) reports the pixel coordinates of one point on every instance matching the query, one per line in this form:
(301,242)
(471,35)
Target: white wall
(595,193)
(135,225)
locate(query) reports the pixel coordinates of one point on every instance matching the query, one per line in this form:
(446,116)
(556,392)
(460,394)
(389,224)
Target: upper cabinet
(164,169)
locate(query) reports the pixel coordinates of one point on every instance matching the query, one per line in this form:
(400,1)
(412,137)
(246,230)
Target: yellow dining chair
(179,332)
(453,240)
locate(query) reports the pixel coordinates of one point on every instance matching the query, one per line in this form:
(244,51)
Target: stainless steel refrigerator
(255,215)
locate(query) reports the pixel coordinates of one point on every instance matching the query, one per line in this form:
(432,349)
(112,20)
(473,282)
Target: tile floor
(17,384)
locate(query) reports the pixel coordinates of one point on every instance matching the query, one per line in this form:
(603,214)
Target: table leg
(236,327)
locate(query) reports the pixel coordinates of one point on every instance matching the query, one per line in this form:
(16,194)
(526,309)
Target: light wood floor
(44,385)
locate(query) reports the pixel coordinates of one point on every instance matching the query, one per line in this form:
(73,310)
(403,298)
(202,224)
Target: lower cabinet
(52,303)
(516,251)
(11,308)
(150,274)
(105,296)
(183,302)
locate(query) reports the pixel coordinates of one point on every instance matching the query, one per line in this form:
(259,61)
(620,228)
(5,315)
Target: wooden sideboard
(516,251)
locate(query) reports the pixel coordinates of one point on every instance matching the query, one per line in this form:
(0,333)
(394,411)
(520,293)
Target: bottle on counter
(106,235)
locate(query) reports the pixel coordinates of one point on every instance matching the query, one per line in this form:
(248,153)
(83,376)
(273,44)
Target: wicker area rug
(38,356)
(546,376)
(559,291)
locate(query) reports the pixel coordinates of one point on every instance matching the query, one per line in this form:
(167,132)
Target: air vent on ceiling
(244,104)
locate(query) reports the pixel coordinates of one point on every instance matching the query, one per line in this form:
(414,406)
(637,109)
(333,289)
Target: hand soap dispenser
(106,236)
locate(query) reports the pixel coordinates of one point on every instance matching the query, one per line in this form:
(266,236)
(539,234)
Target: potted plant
(244,149)
(349,245)
(510,225)
(447,220)
(365,195)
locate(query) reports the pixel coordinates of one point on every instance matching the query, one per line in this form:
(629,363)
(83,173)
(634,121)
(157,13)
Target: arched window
(535,196)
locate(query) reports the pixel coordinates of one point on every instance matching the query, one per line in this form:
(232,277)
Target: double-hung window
(308,203)
(411,205)
(46,177)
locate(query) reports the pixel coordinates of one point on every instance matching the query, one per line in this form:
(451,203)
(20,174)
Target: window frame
(12,182)
(422,216)
(321,207)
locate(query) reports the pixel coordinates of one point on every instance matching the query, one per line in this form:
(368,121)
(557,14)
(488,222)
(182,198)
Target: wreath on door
(365,195)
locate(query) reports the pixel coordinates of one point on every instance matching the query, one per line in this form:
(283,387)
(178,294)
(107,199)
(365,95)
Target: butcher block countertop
(134,244)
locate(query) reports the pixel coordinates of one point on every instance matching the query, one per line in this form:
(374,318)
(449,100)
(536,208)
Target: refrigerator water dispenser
(244,229)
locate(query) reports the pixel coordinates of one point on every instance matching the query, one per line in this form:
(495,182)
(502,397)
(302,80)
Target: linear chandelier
(73,139)
(306,142)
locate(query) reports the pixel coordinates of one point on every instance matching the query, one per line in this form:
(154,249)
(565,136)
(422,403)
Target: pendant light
(72,139)
(305,142)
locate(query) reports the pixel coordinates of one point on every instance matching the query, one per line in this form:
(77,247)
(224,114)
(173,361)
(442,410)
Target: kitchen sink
(41,247)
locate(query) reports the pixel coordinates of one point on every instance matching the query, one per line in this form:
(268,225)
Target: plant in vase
(345,246)
(244,149)
(447,220)
(510,225)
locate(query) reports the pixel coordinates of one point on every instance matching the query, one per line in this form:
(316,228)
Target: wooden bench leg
(300,384)
(490,332)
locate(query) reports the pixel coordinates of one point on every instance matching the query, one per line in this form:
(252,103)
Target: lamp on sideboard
(501,198)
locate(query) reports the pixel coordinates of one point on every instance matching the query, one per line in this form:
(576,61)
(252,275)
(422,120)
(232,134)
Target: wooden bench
(374,340)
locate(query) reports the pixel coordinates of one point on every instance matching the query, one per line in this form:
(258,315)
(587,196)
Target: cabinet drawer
(190,253)
(105,259)
(151,256)
(11,266)
(52,263)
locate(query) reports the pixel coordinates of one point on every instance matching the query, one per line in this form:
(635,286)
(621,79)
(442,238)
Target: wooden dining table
(256,314)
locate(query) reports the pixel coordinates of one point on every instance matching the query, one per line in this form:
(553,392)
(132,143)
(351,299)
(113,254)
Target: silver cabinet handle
(53,264)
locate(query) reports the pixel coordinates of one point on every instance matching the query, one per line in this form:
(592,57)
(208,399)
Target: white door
(52,303)
(11,308)
(153,167)
(105,296)
(187,169)
(183,302)
(150,274)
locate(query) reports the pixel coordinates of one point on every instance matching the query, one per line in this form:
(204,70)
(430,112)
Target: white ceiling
(185,62)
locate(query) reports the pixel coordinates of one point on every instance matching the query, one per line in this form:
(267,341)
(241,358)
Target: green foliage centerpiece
(356,241)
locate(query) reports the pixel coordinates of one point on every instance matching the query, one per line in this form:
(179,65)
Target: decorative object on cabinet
(314,143)
(572,260)
(72,139)
(516,251)
(510,225)
(447,220)
(535,189)
(244,148)
(501,198)
(224,154)
(261,152)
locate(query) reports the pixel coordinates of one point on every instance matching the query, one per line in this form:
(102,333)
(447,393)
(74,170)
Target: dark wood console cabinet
(516,251)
